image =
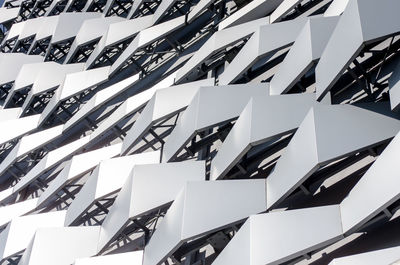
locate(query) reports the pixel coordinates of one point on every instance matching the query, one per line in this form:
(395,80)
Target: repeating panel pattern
(199,132)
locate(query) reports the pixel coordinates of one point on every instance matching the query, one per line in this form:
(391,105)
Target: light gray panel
(126,258)
(148,188)
(362,21)
(327,133)
(262,119)
(101,98)
(265,40)
(253,10)
(394,88)
(377,189)
(189,215)
(164,103)
(146,37)
(218,41)
(49,161)
(7,213)
(76,168)
(204,111)
(20,231)
(277,237)
(107,178)
(29,143)
(61,245)
(11,63)
(378,257)
(305,51)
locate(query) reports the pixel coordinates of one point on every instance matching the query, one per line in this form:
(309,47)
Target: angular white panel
(73,84)
(253,10)
(61,246)
(148,188)
(277,237)
(49,161)
(327,133)
(217,42)
(20,231)
(265,40)
(11,63)
(261,120)
(165,103)
(7,14)
(20,126)
(375,191)
(9,114)
(193,214)
(107,179)
(129,107)
(127,258)
(101,98)
(7,213)
(304,53)
(29,143)
(30,29)
(77,167)
(45,31)
(90,30)
(118,32)
(27,76)
(48,79)
(69,24)
(146,37)
(204,111)
(362,21)
(378,257)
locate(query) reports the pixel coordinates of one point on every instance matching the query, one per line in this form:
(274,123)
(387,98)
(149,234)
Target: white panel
(20,126)
(127,258)
(7,14)
(375,191)
(379,257)
(49,161)
(277,237)
(29,143)
(265,40)
(118,32)
(11,63)
(253,10)
(76,168)
(20,231)
(107,178)
(327,133)
(362,21)
(193,214)
(306,50)
(7,213)
(204,111)
(218,41)
(100,98)
(73,84)
(164,103)
(262,119)
(148,188)
(146,37)
(61,246)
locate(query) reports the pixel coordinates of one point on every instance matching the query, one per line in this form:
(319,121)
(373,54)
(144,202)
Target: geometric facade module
(199,132)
